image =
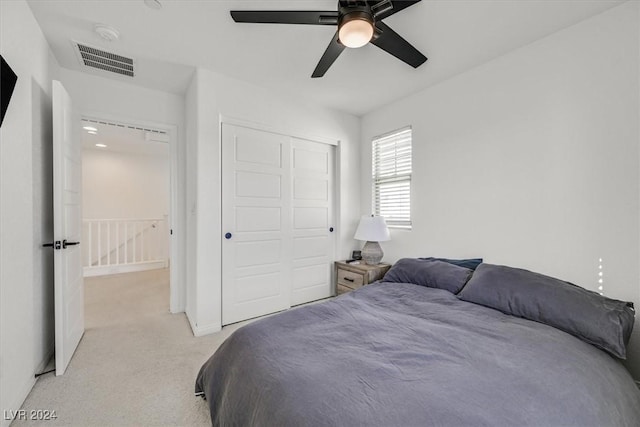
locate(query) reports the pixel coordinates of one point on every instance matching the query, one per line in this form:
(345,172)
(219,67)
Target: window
(391,161)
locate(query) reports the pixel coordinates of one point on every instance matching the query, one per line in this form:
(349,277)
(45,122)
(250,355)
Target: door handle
(227,236)
(54,245)
(65,244)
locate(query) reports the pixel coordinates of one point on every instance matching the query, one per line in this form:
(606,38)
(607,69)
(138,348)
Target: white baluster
(126,243)
(108,242)
(135,237)
(99,243)
(117,242)
(90,238)
(142,254)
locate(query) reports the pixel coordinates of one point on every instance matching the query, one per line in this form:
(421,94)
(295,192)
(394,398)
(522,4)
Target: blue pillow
(471,263)
(430,273)
(604,322)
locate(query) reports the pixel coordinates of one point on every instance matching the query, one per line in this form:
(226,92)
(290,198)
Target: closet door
(277,222)
(256,218)
(313,227)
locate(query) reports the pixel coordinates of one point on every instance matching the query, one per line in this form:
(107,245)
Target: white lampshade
(372,229)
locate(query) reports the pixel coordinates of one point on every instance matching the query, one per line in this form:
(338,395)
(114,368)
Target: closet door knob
(331,230)
(227,236)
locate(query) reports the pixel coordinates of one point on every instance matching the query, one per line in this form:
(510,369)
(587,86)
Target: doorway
(128,200)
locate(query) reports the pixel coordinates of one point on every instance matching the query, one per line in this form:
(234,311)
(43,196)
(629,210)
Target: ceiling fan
(359,22)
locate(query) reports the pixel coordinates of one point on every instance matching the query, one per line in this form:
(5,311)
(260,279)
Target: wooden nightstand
(353,276)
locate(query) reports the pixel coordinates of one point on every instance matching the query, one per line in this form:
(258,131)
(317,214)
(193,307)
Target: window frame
(397,173)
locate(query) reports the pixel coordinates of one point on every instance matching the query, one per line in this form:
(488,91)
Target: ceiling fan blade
(334,50)
(309,17)
(381,9)
(391,42)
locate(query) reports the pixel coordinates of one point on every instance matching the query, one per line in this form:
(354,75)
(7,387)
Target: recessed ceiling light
(91,128)
(153,4)
(92,132)
(101,145)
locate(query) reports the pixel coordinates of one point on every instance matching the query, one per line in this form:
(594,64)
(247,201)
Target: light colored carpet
(136,364)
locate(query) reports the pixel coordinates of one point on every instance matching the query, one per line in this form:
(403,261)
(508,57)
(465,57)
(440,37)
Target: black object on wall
(7,84)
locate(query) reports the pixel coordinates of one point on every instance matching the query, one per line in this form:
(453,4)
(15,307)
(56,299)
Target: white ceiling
(125,140)
(454,35)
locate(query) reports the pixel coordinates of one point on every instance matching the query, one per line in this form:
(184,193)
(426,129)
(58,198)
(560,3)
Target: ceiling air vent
(103,60)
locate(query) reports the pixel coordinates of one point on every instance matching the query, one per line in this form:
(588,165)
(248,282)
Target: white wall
(191,181)
(26,297)
(117,184)
(130,185)
(531,160)
(211,95)
(111,99)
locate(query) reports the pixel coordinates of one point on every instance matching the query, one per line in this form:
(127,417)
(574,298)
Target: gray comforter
(394,354)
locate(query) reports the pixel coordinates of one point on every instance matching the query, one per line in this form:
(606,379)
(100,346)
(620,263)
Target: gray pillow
(606,323)
(430,273)
(471,263)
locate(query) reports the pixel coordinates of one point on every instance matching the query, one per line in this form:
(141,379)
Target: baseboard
(124,268)
(18,400)
(199,331)
(177,309)
(43,364)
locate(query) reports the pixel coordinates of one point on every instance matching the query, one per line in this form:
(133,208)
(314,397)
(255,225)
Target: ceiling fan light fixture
(359,23)
(356,29)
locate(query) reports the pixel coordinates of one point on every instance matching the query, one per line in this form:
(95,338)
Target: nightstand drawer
(350,279)
(351,276)
(342,289)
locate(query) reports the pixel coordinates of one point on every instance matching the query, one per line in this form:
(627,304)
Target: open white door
(67,217)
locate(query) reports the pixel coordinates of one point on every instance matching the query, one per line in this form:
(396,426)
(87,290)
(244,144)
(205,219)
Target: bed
(407,354)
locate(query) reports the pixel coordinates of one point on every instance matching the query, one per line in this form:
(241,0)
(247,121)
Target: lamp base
(372,253)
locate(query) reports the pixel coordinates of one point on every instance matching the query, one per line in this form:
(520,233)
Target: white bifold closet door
(277,222)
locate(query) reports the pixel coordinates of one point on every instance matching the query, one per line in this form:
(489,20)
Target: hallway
(136,364)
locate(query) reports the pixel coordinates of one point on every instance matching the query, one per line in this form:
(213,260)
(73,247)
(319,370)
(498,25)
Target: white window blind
(392,177)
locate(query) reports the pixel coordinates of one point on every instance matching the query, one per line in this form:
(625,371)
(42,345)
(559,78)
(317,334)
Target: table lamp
(373,229)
